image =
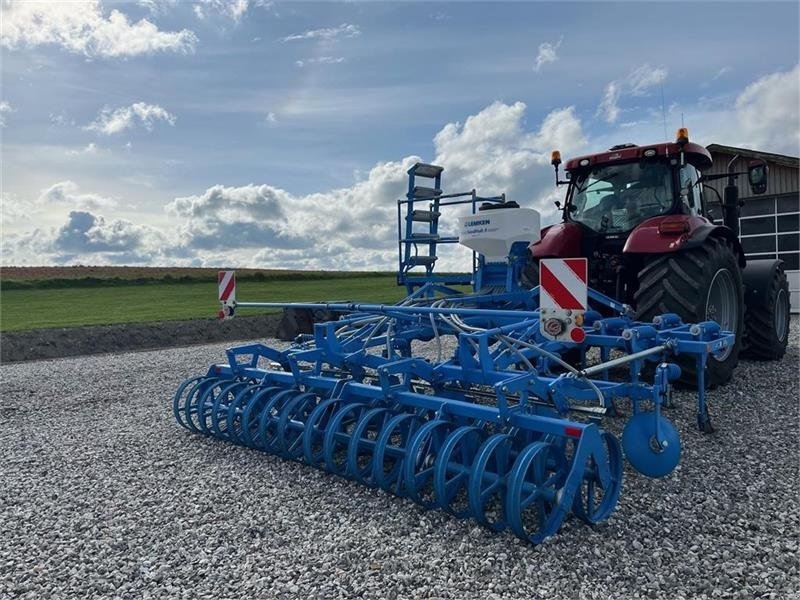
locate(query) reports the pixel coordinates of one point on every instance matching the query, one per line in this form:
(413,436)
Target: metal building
(770,223)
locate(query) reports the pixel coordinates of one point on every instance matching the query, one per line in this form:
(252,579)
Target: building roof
(781,159)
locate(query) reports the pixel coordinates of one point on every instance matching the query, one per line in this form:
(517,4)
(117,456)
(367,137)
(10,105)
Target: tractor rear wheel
(698,284)
(766,329)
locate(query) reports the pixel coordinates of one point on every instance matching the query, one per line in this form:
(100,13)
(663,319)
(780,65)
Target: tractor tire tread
(677,283)
(760,339)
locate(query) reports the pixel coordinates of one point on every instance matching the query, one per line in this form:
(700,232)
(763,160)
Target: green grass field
(67,306)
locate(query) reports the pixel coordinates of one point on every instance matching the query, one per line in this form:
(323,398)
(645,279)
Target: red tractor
(642,216)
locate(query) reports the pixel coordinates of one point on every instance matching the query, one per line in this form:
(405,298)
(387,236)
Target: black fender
(702,233)
(756,277)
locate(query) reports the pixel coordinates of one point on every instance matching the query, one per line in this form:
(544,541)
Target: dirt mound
(99,339)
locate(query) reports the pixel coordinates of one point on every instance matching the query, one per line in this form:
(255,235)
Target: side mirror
(757,176)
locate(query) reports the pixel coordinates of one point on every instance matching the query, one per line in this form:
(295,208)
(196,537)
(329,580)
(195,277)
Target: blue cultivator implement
(477,404)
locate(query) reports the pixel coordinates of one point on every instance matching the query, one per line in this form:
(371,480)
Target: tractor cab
(613,192)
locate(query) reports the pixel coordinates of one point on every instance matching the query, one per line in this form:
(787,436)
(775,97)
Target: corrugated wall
(770,223)
(782,179)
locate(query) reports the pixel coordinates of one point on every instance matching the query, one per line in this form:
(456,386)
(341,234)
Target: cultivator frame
(504,426)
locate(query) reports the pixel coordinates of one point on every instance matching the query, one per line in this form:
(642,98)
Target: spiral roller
(501,475)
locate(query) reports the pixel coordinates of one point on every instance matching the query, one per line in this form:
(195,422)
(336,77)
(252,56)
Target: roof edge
(781,159)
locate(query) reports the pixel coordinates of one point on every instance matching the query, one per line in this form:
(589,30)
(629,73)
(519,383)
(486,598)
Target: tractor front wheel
(699,284)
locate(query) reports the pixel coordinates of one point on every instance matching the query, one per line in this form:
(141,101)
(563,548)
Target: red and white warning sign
(563,298)
(226,281)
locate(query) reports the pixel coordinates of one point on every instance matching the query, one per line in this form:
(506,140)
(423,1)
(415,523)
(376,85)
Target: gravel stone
(104,496)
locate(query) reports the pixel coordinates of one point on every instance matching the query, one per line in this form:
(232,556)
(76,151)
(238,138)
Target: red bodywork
(695,154)
(561,240)
(665,233)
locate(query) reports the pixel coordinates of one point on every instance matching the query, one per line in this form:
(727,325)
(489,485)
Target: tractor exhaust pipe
(730,205)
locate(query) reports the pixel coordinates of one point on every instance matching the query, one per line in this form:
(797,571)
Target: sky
(266,134)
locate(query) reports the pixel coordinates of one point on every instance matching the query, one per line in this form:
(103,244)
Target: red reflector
(673,227)
(577,335)
(573,431)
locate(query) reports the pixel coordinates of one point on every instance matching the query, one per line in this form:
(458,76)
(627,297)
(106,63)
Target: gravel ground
(104,496)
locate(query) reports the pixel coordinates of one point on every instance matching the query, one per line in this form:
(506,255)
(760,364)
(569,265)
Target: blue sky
(269,134)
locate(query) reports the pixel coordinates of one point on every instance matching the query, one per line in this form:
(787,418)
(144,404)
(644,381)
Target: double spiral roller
(503,477)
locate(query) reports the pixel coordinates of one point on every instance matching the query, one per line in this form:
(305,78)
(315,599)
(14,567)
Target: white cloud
(50,206)
(67,194)
(609,105)
(82,28)
(547,54)
(94,239)
(117,120)
(90,149)
(271,117)
(61,119)
(12,211)
(5,108)
(158,7)
(639,82)
(722,72)
(768,113)
(762,116)
(320,60)
(326,34)
(232,9)
(493,152)
(642,78)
